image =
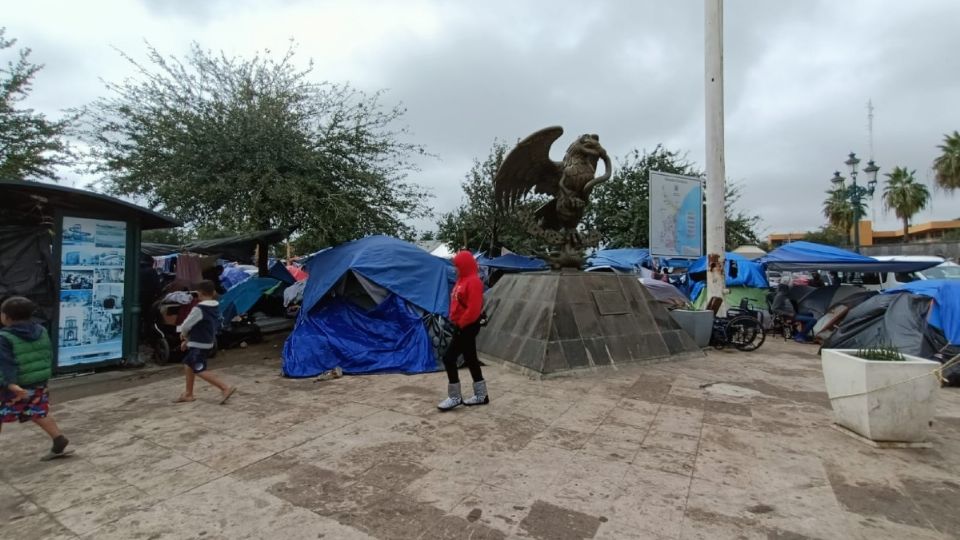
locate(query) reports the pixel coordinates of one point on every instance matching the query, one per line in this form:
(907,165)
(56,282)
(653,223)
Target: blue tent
(400,282)
(233,276)
(242,297)
(748,274)
(808,256)
(511,262)
(945,314)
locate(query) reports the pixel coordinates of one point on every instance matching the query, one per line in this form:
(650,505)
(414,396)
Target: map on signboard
(676,215)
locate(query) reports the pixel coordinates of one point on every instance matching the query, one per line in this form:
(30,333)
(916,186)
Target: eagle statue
(528,167)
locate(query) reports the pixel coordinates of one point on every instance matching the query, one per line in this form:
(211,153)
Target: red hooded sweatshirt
(466,302)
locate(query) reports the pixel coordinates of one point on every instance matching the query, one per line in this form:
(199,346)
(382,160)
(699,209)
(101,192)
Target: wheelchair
(741,328)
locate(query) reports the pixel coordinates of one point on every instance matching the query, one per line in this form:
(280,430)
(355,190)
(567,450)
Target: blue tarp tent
(809,256)
(232,276)
(398,281)
(511,262)
(945,314)
(749,274)
(242,297)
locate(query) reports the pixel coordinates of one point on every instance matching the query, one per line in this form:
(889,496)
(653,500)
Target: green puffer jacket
(33,357)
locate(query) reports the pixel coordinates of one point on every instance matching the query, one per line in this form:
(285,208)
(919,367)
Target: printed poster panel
(676,215)
(92,262)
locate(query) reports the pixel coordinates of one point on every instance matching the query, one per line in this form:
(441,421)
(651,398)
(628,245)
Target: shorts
(35,405)
(196,359)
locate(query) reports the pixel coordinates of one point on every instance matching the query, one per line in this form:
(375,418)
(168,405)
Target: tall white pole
(716,216)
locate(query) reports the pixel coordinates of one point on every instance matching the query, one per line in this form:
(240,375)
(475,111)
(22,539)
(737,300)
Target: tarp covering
(158,250)
(740,272)
(398,266)
(511,262)
(280,273)
(241,298)
(232,276)
(297,272)
(809,256)
(623,259)
(390,338)
(664,293)
(757,297)
(26,266)
(237,248)
(945,313)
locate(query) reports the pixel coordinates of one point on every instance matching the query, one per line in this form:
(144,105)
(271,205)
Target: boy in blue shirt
(198,335)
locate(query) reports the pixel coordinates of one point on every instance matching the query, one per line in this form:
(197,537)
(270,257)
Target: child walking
(198,335)
(26,357)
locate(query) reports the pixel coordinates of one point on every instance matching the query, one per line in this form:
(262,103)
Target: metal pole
(713,79)
(855,199)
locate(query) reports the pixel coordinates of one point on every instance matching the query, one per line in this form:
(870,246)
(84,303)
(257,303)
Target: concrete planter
(882,401)
(697,323)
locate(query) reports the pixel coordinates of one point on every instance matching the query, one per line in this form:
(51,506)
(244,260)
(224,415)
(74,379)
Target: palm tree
(905,196)
(947,166)
(840,211)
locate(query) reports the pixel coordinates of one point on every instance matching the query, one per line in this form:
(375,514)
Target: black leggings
(464,342)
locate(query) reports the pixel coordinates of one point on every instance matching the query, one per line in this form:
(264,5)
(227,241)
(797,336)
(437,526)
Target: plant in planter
(880,393)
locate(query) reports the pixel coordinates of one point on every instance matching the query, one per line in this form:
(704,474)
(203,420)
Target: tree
(428,236)
(947,165)
(619,208)
(31,146)
(829,235)
(245,144)
(479,223)
(840,211)
(905,196)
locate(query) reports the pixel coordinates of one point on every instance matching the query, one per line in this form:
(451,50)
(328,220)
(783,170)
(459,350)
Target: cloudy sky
(798,76)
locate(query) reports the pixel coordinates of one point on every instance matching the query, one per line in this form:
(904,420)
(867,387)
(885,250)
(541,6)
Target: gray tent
(898,320)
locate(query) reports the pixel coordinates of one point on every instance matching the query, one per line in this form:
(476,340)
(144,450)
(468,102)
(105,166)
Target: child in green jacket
(26,357)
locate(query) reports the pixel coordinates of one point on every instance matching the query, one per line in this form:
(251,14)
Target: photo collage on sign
(93,255)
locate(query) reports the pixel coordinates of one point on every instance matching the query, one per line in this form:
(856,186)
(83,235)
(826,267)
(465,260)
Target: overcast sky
(798,76)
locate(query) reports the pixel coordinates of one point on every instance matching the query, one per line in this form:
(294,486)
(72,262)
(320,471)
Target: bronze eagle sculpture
(529,167)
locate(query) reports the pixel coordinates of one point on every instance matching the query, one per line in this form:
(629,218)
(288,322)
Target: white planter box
(871,398)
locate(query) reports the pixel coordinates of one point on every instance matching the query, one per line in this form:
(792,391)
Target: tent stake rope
(937,372)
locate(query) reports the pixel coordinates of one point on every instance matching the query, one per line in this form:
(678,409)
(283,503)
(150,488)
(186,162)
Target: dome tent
(367,307)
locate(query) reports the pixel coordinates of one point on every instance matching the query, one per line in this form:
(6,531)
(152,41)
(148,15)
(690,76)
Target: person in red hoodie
(466,306)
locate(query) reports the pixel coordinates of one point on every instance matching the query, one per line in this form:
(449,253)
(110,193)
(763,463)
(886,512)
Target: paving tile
(92,513)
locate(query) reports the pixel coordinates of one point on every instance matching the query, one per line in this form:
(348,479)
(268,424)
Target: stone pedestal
(550,323)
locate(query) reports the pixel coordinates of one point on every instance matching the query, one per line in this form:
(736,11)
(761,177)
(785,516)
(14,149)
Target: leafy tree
(428,236)
(619,208)
(829,235)
(244,144)
(840,211)
(31,146)
(479,223)
(905,196)
(947,165)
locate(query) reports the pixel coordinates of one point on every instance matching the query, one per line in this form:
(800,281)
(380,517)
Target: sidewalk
(642,452)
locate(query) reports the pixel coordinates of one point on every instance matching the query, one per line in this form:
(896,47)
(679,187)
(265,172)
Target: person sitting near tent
(466,307)
(782,306)
(817,280)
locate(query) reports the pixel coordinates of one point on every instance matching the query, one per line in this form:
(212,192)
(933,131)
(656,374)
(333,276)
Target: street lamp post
(856,193)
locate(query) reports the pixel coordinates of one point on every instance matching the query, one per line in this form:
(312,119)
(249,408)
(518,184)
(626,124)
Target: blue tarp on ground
(333,331)
(279,272)
(623,259)
(809,256)
(390,338)
(511,262)
(945,314)
(242,297)
(749,274)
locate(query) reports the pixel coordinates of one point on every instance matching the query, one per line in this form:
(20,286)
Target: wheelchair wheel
(745,333)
